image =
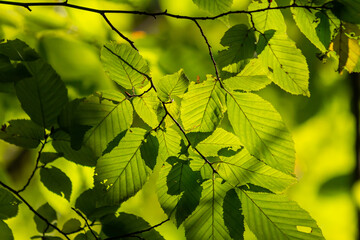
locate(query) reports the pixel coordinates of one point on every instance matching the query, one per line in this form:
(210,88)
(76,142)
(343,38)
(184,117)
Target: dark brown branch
(36,167)
(134,234)
(33,210)
(86,222)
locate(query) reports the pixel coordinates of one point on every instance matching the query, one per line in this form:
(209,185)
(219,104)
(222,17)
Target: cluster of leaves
(223,153)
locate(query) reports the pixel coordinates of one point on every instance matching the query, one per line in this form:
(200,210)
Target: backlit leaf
(49,214)
(172,85)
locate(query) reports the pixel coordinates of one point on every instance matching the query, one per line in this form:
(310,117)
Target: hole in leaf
(304,229)
(270,69)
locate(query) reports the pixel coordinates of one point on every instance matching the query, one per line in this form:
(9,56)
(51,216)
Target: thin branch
(33,210)
(36,167)
(138,232)
(86,222)
(209,47)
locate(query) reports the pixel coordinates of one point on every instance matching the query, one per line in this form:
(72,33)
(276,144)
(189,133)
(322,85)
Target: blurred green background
(323,125)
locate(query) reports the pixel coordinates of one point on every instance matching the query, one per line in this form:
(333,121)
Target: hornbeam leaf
(260,128)
(120,62)
(149,108)
(252,78)
(56,181)
(5,231)
(218,140)
(203,106)
(287,66)
(172,85)
(178,189)
(18,50)
(214,6)
(348,50)
(243,168)
(308,22)
(43,95)
(266,20)
(233,216)
(23,133)
(71,225)
(272,216)
(49,214)
(123,172)
(9,205)
(169,143)
(106,118)
(128,225)
(207,222)
(347,10)
(241,43)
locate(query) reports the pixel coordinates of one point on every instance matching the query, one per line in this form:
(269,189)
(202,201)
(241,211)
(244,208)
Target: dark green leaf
(62,144)
(233,217)
(18,50)
(128,226)
(23,133)
(86,236)
(56,181)
(43,95)
(149,150)
(347,10)
(49,214)
(5,231)
(48,157)
(71,225)
(8,205)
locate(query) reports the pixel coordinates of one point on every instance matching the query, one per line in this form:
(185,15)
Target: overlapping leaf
(43,95)
(207,221)
(260,128)
(106,118)
(178,189)
(202,106)
(5,231)
(173,85)
(169,143)
(242,169)
(308,22)
(23,133)
(265,20)
(272,216)
(123,172)
(124,65)
(56,181)
(49,214)
(287,66)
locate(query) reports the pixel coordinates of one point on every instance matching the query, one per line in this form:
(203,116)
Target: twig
(36,167)
(33,210)
(138,232)
(86,222)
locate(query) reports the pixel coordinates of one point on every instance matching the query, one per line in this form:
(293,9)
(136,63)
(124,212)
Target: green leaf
(128,226)
(173,85)
(71,225)
(272,216)
(11,73)
(23,133)
(124,177)
(86,236)
(214,6)
(149,108)
(62,144)
(18,50)
(266,20)
(241,43)
(207,221)
(93,205)
(48,157)
(43,95)
(169,143)
(347,10)
(149,150)
(260,128)
(252,78)
(242,169)
(56,181)
(106,118)
(198,164)
(5,231)
(219,139)
(308,22)
(233,217)
(203,106)
(49,214)
(120,62)
(287,66)
(9,205)
(178,189)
